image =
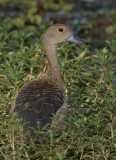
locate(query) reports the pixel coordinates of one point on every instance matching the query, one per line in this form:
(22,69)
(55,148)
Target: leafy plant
(89,129)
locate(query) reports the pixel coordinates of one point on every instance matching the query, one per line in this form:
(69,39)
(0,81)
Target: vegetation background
(88,74)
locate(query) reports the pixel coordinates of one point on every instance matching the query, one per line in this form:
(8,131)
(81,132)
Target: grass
(89,82)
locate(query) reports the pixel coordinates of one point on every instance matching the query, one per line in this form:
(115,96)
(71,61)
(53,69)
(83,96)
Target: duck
(42,98)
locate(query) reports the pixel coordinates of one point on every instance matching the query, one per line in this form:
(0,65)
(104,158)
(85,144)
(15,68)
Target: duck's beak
(73,38)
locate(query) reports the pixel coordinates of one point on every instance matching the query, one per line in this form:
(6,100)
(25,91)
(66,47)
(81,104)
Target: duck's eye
(60,29)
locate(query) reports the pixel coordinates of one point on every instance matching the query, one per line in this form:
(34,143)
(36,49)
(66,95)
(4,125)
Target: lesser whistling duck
(40,98)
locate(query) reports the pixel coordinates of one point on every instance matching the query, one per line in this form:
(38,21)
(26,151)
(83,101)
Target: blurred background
(94,20)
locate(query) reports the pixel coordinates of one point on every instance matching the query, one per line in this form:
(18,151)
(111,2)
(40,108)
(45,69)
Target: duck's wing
(38,102)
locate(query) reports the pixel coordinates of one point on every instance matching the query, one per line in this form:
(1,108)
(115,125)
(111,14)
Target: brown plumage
(40,98)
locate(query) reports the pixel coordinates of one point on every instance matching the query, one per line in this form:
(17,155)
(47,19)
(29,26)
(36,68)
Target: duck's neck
(53,71)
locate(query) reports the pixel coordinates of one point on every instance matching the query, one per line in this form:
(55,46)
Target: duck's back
(38,101)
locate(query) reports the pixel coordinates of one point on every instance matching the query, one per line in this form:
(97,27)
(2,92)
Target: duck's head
(58,33)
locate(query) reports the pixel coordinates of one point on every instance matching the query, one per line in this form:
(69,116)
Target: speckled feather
(38,101)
